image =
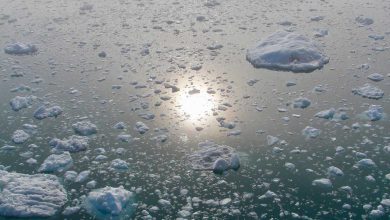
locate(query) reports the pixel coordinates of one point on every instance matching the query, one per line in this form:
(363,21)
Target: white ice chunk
(30,196)
(369,91)
(45,112)
(20,136)
(56,163)
(84,128)
(287,51)
(110,203)
(20,48)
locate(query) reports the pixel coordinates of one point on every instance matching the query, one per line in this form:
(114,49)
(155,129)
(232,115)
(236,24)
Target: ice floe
(374,112)
(287,51)
(84,128)
(20,48)
(72,144)
(46,112)
(30,196)
(20,136)
(141,127)
(369,91)
(310,132)
(20,102)
(110,203)
(56,163)
(218,158)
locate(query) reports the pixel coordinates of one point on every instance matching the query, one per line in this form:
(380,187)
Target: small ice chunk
(70,210)
(109,203)
(235,161)
(310,132)
(220,166)
(322,183)
(20,49)
(70,176)
(369,91)
(119,164)
(215,46)
(271,140)
(72,144)
(374,112)
(83,176)
(45,112)
(335,171)
(376,77)
(365,164)
(326,114)
(362,20)
(20,102)
(301,103)
(287,51)
(84,128)
(30,196)
(120,125)
(20,136)
(141,127)
(56,163)
(320,32)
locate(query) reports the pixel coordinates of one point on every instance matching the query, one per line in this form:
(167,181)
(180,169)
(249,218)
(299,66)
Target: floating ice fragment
(326,114)
(45,112)
(20,136)
(72,144)
(369,91)
(218,158)
(110,203)
(374,112)
(141,127)
(84,128)
(120,125)
(364,20)
(335,171)
(310,132)
(376,77)
(19,102)
(322,183)
(20,49)
(83,176)
(119,164)
(56,163)
(30,196)
(301,103)
(365,164)
(287,51)
(271,140)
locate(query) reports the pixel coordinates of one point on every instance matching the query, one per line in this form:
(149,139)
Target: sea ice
(20,49)
(326,114)
(376,77)
(20,102)
(20,136)
(374,112)
(365,164)
(110,203)
(45,112)
(364,20)
(141,127)
(218,158)
(301,103)
(72,144)
(322,183)
(119,164)
(335,171)
(287,51)
(84,128)
(30,196)
(56,163)
(369,91)
(310,132)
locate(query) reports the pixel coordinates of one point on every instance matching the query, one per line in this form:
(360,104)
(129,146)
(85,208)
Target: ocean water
(200,47)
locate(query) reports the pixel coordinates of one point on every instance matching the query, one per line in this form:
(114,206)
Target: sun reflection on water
(196,106)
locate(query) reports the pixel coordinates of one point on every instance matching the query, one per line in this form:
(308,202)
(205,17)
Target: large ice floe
(287,51)
(20,48)
(110,203)
(30,196)
(218,158)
